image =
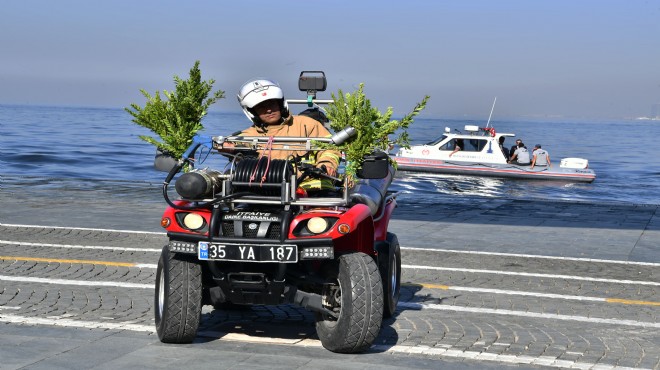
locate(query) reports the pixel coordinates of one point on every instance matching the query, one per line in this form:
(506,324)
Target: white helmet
(257,91)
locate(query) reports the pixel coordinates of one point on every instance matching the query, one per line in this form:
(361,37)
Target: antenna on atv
(491,112)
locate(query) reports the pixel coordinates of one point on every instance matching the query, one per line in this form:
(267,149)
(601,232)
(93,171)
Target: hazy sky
(545,59)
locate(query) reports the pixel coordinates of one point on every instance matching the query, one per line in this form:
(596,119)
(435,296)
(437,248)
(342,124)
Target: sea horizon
(51,148)
(550,118)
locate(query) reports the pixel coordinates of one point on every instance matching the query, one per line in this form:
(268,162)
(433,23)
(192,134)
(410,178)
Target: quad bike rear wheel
(391,275)
(178,298)
(355,293)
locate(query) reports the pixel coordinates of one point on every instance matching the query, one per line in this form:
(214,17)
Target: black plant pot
(164,161)
(375,166)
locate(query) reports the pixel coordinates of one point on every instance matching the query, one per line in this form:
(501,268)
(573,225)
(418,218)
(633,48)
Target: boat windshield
(436,141)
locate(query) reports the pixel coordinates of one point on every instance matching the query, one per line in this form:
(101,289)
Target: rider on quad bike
(252,235)
(264,104)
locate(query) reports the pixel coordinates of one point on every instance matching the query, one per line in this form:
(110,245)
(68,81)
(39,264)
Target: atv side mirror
(375,166)
(312,81)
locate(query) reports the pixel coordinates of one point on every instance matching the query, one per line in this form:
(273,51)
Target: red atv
(233,241)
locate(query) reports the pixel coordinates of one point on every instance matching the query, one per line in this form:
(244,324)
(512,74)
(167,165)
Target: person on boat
(540,157)
(264,104)
(504,151)
(514,148)
(458,146)
(520,156)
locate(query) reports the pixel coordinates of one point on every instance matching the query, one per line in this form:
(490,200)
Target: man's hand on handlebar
(321,171)
(331,171)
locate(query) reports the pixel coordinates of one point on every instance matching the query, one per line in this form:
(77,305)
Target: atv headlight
(314,226)
(317,225)
(193,221)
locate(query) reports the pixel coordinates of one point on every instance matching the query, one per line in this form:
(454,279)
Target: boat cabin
(476,145)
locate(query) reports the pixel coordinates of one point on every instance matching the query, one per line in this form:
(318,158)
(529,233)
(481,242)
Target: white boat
(482,155)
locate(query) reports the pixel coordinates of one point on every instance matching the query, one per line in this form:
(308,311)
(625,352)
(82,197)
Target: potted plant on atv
(237,241)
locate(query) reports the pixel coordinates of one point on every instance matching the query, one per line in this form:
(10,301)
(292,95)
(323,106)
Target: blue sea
(97,152)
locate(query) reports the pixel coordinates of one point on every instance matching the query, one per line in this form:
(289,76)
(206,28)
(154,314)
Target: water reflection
(429,186)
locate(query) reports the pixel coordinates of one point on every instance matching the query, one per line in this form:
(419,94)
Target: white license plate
(247,253)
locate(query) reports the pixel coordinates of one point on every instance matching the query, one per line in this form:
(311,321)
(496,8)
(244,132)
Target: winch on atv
(248,235)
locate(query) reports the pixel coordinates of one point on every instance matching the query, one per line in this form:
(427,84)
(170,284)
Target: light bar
(182,247)
(317,253)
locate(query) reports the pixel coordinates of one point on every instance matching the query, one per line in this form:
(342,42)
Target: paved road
(488,284)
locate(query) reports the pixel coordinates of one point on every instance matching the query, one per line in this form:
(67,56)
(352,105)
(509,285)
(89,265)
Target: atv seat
(371,192)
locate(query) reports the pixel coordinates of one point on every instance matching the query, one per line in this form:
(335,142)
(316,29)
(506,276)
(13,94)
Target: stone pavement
(481,294)
(624,232)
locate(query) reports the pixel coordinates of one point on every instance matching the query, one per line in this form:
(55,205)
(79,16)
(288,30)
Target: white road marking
(530,274)
(419,267)
(527,294)
(74,246)
(627,301)
(416,306)
(439,352)
(536,315)
(84,228)
(403,248)
(66,322)
(532,256)
(152,286)
(23,279)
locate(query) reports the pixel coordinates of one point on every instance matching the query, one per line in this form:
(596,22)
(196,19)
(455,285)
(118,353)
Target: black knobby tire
(360,303)
(178,298)
(391,276)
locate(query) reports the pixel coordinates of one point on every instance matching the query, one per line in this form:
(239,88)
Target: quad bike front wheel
(355,293)
(391,275)
(178,298)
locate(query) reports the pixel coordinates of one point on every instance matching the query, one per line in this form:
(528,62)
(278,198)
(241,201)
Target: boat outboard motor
(199,184)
